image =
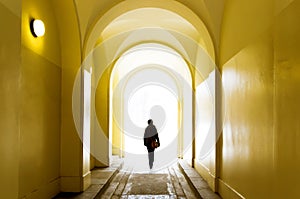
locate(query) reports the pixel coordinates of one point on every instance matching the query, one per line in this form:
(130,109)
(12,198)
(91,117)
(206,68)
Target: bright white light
(86,121)
(38,28)
(152,54)
(162,106)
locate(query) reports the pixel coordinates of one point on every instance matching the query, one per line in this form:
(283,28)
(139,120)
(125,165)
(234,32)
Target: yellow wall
(30,93)
(40,105)
(40,127)
(117,134)
(102,148)
(117,138)
(102,101)
(205,131)
(71,167)
(248,137)
(116,108)
(260,148)
(10,64)
(49,45)
(243,23)
(287,98)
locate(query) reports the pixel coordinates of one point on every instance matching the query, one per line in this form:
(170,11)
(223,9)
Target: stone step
(199,185)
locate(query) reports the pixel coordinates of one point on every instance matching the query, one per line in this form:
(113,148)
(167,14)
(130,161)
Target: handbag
(154,144)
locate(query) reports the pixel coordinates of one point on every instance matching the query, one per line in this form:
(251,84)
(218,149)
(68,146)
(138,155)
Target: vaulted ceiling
(231,24)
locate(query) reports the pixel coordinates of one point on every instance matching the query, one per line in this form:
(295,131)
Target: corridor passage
(122,181)
(167,183)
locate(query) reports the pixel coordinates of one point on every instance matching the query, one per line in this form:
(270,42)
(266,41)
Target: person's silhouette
(151,141)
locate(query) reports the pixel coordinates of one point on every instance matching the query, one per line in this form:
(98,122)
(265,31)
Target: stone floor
(198,184)
(100,178)
(166,183)
(177,181)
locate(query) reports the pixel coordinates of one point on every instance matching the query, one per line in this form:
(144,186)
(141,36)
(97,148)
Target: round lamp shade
(37,28)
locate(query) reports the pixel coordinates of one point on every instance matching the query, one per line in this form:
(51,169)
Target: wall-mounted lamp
(37,27)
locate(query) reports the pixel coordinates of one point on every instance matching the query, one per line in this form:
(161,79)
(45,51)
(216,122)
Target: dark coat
(150,135)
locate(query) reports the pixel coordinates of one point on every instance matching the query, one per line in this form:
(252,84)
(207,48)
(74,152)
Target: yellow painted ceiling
(89,12)
(150,17)
(226,21)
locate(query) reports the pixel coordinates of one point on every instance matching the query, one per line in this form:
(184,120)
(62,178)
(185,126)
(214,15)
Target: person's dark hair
(149,121)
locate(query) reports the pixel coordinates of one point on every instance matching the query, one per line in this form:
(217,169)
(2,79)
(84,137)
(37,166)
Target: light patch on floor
(147,184)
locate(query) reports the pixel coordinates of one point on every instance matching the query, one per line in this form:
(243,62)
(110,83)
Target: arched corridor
(145,84)
(219,79)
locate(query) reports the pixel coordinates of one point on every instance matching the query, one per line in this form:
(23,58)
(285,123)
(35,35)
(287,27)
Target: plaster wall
(40,95)
(260,146)
(10,73)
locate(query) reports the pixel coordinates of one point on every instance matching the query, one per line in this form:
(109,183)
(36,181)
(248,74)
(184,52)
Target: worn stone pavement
(167,183)
(120,181)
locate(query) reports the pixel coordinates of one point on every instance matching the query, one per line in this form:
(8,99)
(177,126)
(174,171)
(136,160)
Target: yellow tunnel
(226,76)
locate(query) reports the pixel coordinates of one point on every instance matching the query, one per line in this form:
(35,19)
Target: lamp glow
(37,28)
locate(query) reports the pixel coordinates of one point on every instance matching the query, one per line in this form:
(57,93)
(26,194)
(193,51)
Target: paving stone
(102,175)
(148,197)
(109,191)
(119,190)
(199,183)
(118,177)
(94,188)
(208,194)
(177,187)
(191,173)
(99,177)
(152,184)
(98,181)
(188,191)
(201,186)
(170,183)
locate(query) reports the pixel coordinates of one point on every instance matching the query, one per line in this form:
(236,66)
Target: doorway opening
(150,81)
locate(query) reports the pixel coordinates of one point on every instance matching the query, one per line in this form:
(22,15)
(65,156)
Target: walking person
(151,141)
